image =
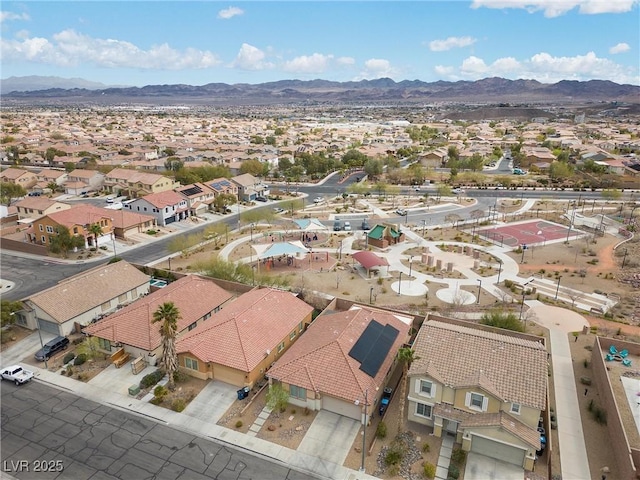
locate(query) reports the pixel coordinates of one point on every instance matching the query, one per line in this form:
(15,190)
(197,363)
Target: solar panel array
(195,190)
(220,185)
(373,346)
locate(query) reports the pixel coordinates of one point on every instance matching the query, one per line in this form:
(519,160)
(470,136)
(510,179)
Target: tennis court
(534,232)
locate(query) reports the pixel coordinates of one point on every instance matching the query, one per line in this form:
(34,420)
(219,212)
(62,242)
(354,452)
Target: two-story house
(165,207)
(199,197)
(31,208)
(135,184)
(485,386)
(18,176)
(81,181)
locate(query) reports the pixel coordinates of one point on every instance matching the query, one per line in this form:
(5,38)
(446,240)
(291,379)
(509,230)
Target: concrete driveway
(212,402)
(119,379)
(480,467)
(330,437)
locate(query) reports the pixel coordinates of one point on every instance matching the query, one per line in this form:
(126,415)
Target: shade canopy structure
(279,249)
(310,224)
(371,261)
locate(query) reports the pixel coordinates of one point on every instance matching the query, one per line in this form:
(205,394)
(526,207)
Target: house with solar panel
(165,207)
(223,186)
(346,355)
(199,197)
(485,386)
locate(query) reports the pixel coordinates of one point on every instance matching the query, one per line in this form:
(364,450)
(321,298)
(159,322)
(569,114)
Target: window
(41,228)
(515,408)
(105,306)
(476,401)
(301,327)
(191,363)
(423,410)
(104,344)
(49,229)
(44,239)
(122,298)
(297,392)
(281,347)
(208,315)
(292,335)
(426,387)
(193,325)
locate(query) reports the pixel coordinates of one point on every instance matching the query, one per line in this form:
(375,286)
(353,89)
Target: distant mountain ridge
(380,90)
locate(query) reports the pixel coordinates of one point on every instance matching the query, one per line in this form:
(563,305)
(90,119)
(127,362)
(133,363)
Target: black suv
(51,348)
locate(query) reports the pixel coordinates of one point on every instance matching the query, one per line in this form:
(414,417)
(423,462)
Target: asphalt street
(48,433)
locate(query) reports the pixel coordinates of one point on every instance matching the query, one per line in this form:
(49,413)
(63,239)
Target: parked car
(365,225)
(458,191)
(16,374)
(318,200)
(337,225)
(384,401)
(401,211)
(278,210)
(261,199)
(109,199)
(347,226)
(51,348)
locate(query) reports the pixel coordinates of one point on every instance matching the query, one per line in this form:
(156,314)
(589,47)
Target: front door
(450,426)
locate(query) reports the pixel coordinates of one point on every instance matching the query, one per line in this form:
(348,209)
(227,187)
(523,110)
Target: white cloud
(69,48)
(377,68)
(544,68)
(230,12)
(251,58)
(619,48)
(6,16)
(346,61)
(555,8)
(451,42)
(316,63)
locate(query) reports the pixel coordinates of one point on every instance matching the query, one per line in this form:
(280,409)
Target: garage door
(50,327)
(497,450)
(341,407)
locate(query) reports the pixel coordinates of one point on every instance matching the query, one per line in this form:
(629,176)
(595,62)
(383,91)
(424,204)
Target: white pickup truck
(16,374)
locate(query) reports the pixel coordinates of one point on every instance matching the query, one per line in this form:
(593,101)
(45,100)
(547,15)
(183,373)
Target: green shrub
(600,415)
(68,357)
(454,472)
(429,470)
(160,391)
(80,359)
(458,457)
(395,453)
(426,447)
(179,376)
(178,405)
(381,430)
(151,379)
(239,424)
(156,400)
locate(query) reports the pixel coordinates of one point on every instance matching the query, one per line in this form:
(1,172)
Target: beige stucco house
(485,386)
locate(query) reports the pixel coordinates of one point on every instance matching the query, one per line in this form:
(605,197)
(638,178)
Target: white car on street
(318,200)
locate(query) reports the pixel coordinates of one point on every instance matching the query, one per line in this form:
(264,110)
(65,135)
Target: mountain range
(379,91)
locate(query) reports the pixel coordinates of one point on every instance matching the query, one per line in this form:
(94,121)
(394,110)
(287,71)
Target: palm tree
(96,230)
(168,314)
(406,356)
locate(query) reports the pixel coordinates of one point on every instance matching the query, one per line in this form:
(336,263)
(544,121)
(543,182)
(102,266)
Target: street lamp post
(410,264)
(251,232)
(479,289)
(499,270)
(558,287)
(424,226)
(624,259)
(364,429)
(370,295)
(400,284)
(524,293)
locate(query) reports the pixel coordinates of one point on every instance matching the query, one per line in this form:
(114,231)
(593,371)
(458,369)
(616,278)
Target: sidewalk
(295,459)
(560,321)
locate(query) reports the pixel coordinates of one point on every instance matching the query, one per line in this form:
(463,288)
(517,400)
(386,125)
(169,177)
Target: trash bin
(243,393)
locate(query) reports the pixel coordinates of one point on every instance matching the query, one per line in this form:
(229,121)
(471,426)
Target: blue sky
(166,42)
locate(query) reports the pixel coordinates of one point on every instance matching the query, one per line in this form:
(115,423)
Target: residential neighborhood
(479,276)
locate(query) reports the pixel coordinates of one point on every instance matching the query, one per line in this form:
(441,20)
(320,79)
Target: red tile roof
(241,333)
(319,361)
(168,198)
(193,295)
(369,259)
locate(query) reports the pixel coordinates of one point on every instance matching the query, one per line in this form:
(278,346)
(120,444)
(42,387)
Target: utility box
(134,390)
